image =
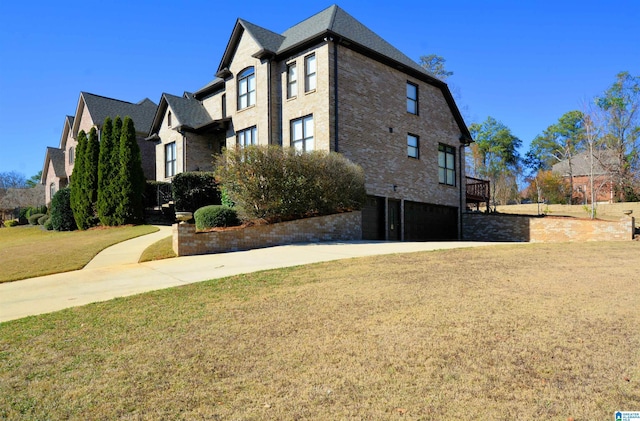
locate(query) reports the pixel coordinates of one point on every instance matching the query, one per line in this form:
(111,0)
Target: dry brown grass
(521,332)
(26,252)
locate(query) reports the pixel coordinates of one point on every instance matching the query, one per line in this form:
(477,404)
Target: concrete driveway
(115,271)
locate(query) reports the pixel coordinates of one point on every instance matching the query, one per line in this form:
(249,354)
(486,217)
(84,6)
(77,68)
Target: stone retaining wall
(338,227)
(543,229)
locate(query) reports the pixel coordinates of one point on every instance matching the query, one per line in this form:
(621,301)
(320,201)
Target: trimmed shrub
(193,190)
(215,216)
(278,184)
(47,224)
(43,219)
(61,213)
(33,219)
(11,223)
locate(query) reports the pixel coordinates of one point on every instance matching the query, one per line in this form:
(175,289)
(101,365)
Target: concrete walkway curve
(116,273)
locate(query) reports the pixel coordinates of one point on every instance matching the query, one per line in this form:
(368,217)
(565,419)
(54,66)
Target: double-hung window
(446,165)
(302,133)
(412,98)
(292,80)
(247,137)
(170,159)
(413,146)
(310,73)
(246,88)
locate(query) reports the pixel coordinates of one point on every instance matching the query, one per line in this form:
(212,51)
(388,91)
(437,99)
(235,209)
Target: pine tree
(131,179)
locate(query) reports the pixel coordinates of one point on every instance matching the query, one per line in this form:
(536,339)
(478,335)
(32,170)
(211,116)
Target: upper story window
(52,190)
(446,164)
(246,88)
(310,73)
(169,119)
(302,133)
(247,137)
(292,80)
(72,153)
(412,98)
(170,159)
(413,146)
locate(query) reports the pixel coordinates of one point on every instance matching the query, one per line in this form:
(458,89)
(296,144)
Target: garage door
(427,222)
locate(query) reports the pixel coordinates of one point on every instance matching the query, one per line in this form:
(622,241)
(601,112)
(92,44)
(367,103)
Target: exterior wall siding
(337,227)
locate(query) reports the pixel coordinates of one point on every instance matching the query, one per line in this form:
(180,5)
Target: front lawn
(28,251)
(506,332)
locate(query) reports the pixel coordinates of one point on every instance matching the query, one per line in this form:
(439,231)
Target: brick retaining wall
(338,227)
(547,229)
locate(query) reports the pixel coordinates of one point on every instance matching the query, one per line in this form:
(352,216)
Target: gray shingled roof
(56,157)
(188,111)
(269,40)
(101,107)
(603,163)
(336,20)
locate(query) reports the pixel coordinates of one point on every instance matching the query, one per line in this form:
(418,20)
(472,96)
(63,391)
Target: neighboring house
(603,168)
(330,83)
(13,199)
(91,112)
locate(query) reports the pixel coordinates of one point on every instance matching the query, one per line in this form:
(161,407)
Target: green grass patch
(28,252)
(159,250)
(545,331)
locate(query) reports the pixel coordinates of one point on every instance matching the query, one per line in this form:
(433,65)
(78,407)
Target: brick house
(330,83)
(91,112)
(604,164)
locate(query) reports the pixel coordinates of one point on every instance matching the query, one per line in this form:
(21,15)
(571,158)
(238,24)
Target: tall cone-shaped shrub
(107,173)
(79,206)
(131,179)
(91,172)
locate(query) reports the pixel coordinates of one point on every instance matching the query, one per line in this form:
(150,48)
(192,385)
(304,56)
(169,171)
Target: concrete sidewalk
(101,281)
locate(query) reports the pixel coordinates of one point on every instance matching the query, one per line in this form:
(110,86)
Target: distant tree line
(608,130)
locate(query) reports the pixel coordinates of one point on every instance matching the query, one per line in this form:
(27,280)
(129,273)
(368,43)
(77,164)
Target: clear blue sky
(524,63)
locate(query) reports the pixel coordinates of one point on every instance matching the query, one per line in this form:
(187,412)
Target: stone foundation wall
(338,227)
(519,228)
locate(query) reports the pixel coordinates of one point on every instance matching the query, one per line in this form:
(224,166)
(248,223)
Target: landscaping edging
(338,227)
(544,229)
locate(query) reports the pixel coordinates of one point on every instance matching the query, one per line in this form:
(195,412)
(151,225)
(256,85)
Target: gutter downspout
(460,161)
(335,92)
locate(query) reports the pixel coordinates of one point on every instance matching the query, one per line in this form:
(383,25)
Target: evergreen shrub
(33,219)
(215,216)
(61,213)
(193,190)
(43,219)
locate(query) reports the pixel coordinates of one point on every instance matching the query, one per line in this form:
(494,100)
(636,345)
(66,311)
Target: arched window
(246,88)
